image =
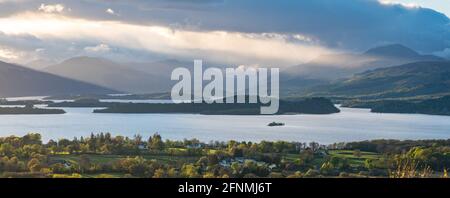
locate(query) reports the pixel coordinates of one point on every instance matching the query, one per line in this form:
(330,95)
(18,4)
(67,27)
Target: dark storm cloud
(349,24)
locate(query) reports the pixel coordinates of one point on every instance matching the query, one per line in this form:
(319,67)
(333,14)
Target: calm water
(349,125)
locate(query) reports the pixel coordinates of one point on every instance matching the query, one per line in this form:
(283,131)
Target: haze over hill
(151,77)
(335,66)
(20,81)
(109,74)
(159,68)
(314,77)
(130,77)
(40,64)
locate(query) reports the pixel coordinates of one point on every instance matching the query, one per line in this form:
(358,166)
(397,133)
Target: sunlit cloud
(406,5)
(54,8)
(39,50)
(101,48)
(13,55)
(7,54)
(216,44)
(111,11)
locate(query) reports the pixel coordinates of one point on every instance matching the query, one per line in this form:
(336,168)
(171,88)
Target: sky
(438,5)
(270,32)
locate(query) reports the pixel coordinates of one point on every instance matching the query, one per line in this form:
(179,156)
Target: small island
(6,102)
(273,124)
(432,106)
(150,96)
(83,103)
(302,106)
(28,109)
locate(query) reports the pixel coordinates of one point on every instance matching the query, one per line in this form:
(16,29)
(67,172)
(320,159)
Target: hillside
(408,80)
(18,81)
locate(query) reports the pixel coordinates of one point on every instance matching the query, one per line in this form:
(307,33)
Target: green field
(354,160)
(98,158)
(347,154)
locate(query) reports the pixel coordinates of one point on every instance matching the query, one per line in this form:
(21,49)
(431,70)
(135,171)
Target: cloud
(110,11)
(101,48)
(252,30)
(350,24)
(159,39)
(7,1)
(55,8)
(394,3)
(8,54)
(444,53)
(16,55)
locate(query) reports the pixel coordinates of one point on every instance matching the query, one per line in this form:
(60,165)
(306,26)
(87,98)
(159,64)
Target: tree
(53,146)
(306,156)
(136,166)
(236,152)
(92,143)
(63,143)
(209,175)
(190,171)
(32,138)
(327,168)
(203,161)
(159,173)
(58,168)
(6,149)
(105,149)
(172,173)
(312,173)
(297,174)
(155,142)
(314,146)
(213,159)
(34,165)
(137,140)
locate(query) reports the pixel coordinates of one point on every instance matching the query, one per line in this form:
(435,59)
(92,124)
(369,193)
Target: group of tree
(28,156)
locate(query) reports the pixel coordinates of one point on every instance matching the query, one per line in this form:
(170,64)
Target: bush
(312,173)
(74,175)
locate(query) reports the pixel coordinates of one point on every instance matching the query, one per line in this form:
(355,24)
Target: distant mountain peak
(394,50)
(39,64)
(86,59)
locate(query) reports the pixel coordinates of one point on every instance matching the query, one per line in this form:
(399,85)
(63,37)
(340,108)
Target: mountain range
(129,77)
(425,78)
(370,74)
(336,66)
